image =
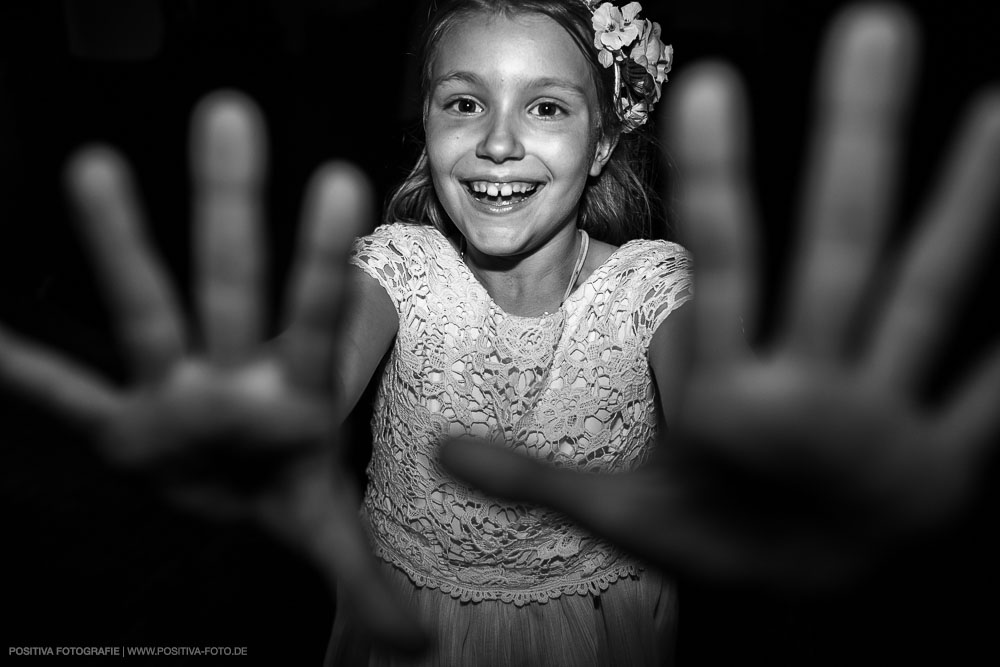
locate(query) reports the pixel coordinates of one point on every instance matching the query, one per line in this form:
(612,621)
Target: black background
(93,557)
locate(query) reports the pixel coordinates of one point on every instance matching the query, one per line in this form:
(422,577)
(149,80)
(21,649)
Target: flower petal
(645,27)
(638,54)
(611,40)
(630,10)
(605,57)
(603,19)
(629,33)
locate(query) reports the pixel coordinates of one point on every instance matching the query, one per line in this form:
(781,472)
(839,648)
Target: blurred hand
(225,425)
(796,467)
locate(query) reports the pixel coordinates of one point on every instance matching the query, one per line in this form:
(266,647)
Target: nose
(501,141)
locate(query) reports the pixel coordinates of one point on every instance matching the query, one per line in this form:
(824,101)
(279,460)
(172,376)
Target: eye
(547,110)
(464,106)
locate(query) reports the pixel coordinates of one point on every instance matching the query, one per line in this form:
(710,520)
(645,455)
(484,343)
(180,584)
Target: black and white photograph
(500,333)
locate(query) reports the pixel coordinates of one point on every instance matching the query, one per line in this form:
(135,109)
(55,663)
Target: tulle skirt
(632,623)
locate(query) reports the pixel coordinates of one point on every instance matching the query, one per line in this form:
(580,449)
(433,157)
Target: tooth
(492,190)
(506,190)
(517,187)
(480,186)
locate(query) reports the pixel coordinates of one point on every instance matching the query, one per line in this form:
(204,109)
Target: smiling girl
(518,305)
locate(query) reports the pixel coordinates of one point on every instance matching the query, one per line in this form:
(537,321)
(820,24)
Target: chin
(494,240)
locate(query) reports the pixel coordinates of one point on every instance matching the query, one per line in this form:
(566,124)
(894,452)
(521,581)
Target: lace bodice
(573,388)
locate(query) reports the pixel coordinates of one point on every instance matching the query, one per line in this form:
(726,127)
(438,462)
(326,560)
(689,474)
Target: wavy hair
(618,205)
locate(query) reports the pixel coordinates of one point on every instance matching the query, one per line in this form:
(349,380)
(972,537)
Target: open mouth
(502,194)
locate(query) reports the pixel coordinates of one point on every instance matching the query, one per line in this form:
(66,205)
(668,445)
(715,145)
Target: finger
(864,84)
(147,318)
(951,236)
(56,384)
(363,590)
(648,512)
(228,154)
(690,520)
(710,141)
(615,506)
(500,472)
(338,209)
(327,515)
(971,423)
(640,511)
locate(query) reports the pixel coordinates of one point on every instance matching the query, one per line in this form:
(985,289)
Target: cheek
(444,148)
(572,160)
(571,152)
(442,158)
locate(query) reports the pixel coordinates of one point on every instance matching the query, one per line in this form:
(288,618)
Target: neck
(532,284)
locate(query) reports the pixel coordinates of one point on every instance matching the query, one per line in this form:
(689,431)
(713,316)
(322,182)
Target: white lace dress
(511,584)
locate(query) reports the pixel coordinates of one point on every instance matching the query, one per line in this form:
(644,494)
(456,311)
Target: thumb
(501,472)
(646,511)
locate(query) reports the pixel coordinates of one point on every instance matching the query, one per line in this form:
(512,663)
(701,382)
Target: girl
(509,312)
(511,315)
(544,374)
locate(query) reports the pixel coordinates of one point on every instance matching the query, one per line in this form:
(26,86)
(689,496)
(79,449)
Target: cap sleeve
(665,287)
(386,255)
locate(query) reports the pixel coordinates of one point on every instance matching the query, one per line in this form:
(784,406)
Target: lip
(493,209)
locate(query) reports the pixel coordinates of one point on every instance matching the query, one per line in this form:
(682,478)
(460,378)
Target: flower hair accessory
(641,60)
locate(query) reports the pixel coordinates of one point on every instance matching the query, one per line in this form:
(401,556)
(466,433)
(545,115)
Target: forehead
(511,49)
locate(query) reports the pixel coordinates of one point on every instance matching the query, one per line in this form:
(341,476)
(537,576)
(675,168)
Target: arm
(670,359)
(370,326)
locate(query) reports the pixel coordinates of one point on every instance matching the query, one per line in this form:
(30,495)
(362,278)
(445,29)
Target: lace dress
(505,583)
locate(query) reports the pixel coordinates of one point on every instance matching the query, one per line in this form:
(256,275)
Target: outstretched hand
(796,467)
(223,423)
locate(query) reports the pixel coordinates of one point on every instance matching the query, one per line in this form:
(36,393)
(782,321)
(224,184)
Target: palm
(223,423)
(777,461)
(797,466)
(219,438)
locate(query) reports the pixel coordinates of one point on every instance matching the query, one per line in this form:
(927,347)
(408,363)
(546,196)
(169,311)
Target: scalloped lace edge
(593,586)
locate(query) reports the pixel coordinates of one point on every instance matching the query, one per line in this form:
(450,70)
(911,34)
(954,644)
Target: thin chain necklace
(581,258)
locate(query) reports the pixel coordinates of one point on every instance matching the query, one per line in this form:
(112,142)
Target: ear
(602,153)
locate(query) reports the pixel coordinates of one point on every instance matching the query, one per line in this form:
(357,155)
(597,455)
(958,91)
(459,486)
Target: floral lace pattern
(573,388)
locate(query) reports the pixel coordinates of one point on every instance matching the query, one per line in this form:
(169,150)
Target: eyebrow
(543,82)
(561,84)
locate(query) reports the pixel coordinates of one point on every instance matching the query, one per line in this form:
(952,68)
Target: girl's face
(511,131)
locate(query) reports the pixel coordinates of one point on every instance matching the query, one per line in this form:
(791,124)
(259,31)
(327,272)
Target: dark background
(92,557)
